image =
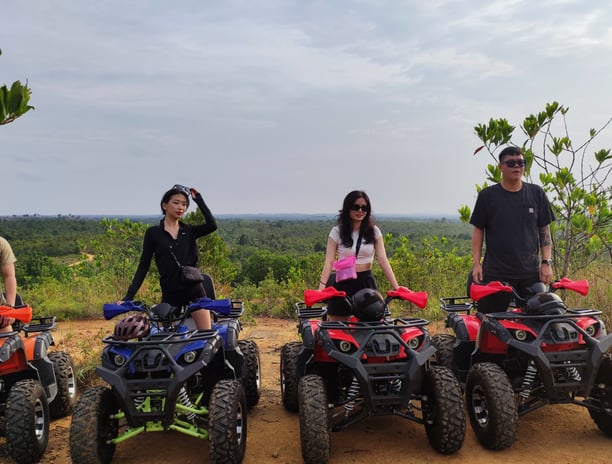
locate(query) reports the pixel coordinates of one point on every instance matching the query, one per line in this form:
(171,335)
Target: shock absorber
(530,375)
(352,393)
(573,374)
(183,398)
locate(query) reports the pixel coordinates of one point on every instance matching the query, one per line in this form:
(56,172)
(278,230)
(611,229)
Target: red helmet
(132,326)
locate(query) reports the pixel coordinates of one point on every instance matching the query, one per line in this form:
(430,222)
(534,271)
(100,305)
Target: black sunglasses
(182,189)
(512,163)
(360,207)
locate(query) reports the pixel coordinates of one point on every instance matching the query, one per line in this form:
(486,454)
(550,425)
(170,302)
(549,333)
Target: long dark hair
(346,224)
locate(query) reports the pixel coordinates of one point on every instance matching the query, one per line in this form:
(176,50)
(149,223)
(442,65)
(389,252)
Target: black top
(511,221)
(157,242)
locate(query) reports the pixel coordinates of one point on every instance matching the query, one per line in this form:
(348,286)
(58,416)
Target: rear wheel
(602,393)
(251,380)
(443,410)
(491,406)
(315,429)
(444,344)
(289,375)
(93,427)
(64,402)
(27,421)
(227,423)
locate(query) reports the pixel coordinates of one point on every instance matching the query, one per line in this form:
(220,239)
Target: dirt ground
(559,434)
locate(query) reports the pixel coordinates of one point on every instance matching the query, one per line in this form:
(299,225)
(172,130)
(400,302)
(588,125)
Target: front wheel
(93,427)
(227,423)
(315,428)
(27,421)
(251,380)
(63,367)
(602,394)
(443,410)
(491,406)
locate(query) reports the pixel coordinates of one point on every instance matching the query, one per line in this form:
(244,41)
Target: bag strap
(180,266)
(358,242)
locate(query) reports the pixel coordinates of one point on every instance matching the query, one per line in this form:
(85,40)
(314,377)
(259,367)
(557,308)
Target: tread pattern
(251,381)
(92,426)
(491,406)
(27,413)
(64,402)
(443,410)
(289,375)
(315,429)
(227,425)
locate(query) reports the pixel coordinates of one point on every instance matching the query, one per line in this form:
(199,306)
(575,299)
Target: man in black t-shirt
(512,218)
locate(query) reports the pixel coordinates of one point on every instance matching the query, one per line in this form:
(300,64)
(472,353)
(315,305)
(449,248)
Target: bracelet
(322,283)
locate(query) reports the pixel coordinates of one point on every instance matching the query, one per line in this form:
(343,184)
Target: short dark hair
(510,151)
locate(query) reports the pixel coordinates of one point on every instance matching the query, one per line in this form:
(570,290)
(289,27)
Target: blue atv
(166,375)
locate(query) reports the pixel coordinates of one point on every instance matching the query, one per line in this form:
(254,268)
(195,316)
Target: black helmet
(545,304)
(132,326)
(368,305)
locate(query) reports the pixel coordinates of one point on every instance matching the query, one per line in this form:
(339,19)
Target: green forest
(70,266)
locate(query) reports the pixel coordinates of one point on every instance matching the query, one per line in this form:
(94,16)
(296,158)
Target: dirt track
(559,434)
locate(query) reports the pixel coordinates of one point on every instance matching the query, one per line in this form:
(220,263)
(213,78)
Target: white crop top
(366,250)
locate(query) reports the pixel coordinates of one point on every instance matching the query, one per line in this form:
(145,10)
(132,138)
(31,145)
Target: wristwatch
(547,261)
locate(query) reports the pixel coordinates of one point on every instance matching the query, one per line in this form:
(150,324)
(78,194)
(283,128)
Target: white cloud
(267,96)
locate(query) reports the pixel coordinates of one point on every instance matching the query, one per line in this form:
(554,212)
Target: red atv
(35,385)
(369,365)
(537,352)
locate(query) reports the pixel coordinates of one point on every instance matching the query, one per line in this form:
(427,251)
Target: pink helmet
(132,326)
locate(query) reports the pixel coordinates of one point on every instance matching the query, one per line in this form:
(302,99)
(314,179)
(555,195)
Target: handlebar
(312,297)
(478,292)
(222,307)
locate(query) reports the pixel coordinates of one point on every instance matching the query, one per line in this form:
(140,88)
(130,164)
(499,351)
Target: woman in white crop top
(356,216)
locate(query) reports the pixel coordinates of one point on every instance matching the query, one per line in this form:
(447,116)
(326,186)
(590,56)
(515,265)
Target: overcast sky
(284,106)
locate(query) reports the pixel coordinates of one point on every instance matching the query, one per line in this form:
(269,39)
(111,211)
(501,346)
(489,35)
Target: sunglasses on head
(360,208)
(512,163)
(182,189)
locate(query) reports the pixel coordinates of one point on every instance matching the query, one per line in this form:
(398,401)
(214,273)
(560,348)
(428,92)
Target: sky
(284,106)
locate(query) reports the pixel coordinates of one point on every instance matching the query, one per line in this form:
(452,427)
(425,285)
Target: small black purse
(188,274)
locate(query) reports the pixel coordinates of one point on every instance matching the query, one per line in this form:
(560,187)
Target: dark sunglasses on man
(512,163)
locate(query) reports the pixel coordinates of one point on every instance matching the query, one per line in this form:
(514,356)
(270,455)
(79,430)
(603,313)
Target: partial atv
(345,371)
(37,385)
(515,361)
(165,375)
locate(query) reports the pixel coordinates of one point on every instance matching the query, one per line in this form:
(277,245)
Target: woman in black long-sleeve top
(172,236)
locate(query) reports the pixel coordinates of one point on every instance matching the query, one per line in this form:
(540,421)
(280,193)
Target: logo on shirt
(531,211)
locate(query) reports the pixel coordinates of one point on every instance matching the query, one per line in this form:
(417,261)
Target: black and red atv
(36,384)
(535,352)
(370,364)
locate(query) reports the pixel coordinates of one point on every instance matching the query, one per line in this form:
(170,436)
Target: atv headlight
(189,357)
(520,335)
(591,330)
(345,346)
(414,343)
(119,360)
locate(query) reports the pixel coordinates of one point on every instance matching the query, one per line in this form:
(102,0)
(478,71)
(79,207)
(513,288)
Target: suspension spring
(530,375)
